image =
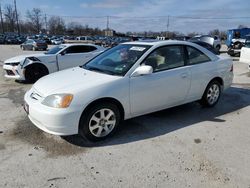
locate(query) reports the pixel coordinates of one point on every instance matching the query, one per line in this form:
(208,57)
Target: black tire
(217,48)
(34,72)
(209,93)
(87,121)
(238,45)
(230,51)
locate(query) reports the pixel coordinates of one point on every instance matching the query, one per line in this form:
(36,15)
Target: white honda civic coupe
(126,81)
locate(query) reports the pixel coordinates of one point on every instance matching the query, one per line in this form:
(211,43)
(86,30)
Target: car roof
(159,42)
(77,44)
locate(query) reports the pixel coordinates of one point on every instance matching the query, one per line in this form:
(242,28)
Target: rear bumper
(41,47)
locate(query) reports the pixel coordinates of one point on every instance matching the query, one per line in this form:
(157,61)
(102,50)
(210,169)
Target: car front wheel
(34,72)
(100,121)
(212,94)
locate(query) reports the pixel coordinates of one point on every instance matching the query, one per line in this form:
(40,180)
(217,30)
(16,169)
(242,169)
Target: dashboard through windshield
(117,60)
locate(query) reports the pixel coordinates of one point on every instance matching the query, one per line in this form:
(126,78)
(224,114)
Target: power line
(154,17)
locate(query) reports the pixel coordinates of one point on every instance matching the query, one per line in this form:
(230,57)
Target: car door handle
(184,75)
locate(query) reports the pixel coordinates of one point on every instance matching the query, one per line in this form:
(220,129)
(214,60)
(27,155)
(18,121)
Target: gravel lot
(186,146)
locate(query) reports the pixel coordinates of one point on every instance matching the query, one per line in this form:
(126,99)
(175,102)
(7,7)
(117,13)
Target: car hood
(22,57)
(71,80)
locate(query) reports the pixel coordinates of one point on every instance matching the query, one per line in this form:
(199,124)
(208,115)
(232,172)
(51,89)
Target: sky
(185,16)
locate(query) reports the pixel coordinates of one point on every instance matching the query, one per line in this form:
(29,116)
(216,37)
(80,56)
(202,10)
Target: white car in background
(245,53)
(34,66)
(57,41)
(126,81)
(213,41)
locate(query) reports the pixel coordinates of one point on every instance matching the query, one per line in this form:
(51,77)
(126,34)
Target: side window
(84,49)
(195,56)
(71,50)
(92,48)
(164,58)
(80,49)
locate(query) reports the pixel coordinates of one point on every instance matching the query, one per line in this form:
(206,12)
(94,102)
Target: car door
(29,44)
(74,56)
(167,86)
(202,69)
(25,45)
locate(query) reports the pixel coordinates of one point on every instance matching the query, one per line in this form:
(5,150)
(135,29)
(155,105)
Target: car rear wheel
(217,48)
(34,72)
(100,121)
(211,95)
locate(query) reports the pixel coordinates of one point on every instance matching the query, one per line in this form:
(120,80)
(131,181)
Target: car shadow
(24,82)
(166,121)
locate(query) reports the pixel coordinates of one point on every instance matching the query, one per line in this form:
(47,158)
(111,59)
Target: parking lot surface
(185,146)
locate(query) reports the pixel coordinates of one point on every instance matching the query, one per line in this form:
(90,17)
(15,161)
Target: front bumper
(52,120)
(14,72)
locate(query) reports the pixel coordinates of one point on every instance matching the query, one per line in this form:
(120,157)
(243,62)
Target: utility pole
(46,25)
(168,28)
(107,23)
(18,29)
(1,18)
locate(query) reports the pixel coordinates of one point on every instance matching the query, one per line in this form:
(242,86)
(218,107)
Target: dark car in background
(21,39)
(11,40)
(2,39)
(34,44)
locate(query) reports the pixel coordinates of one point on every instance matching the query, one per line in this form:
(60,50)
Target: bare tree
(214,32)
(10,17)
(35,19)
(56,25)
(75,28)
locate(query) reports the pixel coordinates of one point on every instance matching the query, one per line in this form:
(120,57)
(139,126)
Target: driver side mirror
(142,70)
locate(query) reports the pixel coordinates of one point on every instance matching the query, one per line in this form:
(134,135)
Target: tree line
(37,22)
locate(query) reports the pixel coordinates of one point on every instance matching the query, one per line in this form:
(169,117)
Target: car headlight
(58,100)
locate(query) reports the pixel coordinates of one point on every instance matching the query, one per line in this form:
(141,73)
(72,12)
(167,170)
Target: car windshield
(55,49)
(117,60)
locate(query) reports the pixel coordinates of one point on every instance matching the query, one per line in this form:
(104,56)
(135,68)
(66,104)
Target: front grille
(10,72)
(13,64)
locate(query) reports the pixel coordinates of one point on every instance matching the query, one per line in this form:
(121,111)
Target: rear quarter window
(195,56)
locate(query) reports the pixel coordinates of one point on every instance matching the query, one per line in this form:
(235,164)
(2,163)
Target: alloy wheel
(213,94)
(102,122)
